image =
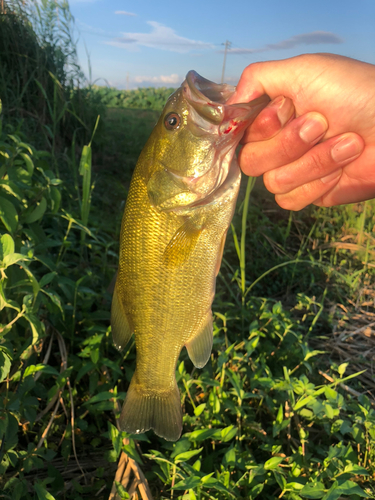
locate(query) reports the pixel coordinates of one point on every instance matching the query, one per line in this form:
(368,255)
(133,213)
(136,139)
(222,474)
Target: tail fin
(143,410)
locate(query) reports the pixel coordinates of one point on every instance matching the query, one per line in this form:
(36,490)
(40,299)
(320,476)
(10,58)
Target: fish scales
(180,204)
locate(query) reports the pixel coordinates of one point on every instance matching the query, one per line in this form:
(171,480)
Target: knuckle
(266,124)
(251,69)
(317,162)
(286,203)
(249,162)
(289,148)
(271,182)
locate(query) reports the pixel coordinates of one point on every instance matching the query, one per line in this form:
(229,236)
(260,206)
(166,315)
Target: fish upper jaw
(208,100)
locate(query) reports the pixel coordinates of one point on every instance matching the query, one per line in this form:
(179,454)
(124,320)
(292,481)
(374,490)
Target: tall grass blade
(249,188)
(85,168)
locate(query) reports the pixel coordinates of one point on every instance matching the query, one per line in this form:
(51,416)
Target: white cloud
(166,79)
(313,38)
(124,13)
(161,37)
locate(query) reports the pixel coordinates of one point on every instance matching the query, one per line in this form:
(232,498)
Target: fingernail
(345,149)
(313,129)
(285,109)
(330,177)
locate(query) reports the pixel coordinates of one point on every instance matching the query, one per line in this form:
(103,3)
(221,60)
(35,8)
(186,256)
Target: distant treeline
(143,98)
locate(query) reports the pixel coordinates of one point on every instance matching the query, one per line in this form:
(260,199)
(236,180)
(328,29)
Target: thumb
(274,78)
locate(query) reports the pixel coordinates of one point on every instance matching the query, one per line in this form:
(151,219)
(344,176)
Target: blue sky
(155,43)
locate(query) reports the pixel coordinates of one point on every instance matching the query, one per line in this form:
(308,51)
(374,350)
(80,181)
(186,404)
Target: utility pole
(227,46)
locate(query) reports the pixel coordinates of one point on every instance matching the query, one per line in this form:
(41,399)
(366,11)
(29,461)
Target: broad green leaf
(36,327)
(199,409)
(34,282)
(11,188)
(192,495)
(273,463)
(228,433)
(188,483)
(28,162)
(183,457)
(115,437)
(294,485)
(342,368)
(211,482)
(313,491)
(347,488)
(280,415)
(202,434)
(230,456)
(47,278)
(256,490)
(329,411)
(95,355)
(131,450)
(18,488)
(6,245)
(330,393)
(8,215)
(13,258)
(31,369)
(37,213)
(42,492)
(4,302)
(308,399)
(55,299)
(5,363)
(356,469)
(55,199)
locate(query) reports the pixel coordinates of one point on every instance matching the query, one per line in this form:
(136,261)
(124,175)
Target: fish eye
(172,121)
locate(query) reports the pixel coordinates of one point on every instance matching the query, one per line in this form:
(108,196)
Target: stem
(249,188)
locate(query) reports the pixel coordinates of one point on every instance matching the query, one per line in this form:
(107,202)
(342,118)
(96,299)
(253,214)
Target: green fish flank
(179,207)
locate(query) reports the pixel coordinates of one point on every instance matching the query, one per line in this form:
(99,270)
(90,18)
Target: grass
(284,407)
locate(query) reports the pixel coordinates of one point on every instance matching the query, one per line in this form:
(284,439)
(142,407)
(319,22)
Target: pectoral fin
(199,347)
(121,331)
(183,242)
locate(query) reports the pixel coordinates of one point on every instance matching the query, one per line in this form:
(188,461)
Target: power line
(227,46)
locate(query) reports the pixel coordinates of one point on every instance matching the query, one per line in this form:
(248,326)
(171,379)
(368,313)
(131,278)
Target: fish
(179,207)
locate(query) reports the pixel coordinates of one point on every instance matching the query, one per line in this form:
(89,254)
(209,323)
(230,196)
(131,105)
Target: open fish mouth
(208,100)
(224,125)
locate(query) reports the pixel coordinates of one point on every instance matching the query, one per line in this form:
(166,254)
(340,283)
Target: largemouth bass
(179,207)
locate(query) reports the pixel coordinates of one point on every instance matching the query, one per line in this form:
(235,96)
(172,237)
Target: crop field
(285,407)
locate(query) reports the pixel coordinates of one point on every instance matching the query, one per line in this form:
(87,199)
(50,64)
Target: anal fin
(200,346)
(121,331)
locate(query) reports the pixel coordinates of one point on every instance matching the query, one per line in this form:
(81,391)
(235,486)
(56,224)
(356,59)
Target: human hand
(323,151)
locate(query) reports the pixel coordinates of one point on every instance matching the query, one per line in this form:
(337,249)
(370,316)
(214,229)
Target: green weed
(284,407)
